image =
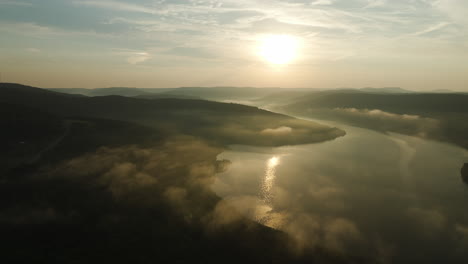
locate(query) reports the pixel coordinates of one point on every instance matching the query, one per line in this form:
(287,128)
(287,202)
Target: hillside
(439,116)
(205,119)
(398,103)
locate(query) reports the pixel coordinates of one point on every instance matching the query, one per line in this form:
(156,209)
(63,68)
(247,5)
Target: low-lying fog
(394,198)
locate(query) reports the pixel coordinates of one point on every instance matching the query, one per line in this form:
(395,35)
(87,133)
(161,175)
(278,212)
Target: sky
(413,44)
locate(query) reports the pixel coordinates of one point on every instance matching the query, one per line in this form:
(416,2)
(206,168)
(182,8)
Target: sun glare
(273,162)
(278,49)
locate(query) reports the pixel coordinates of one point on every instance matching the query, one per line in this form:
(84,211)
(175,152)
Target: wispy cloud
(15,3)
(132,56)
(228,31)
(457,10)
(33,50)
(431,28)
(375,3)
(322,2)
(115,5)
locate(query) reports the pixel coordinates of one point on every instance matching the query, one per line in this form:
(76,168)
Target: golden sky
(413,44)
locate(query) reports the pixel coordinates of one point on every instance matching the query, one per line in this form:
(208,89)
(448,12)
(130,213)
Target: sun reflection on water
(263,210)
(269,178)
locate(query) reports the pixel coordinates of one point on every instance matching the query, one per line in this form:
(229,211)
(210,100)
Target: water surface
(394,198)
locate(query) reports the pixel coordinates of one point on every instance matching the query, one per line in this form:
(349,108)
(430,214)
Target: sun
(278,49)
(273,162)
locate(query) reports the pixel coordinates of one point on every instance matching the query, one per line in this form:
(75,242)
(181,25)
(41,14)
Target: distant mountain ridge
(386,90)
(228,93)
(122,91)
(211,93)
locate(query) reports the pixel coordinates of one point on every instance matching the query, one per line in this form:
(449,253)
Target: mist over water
(393,198)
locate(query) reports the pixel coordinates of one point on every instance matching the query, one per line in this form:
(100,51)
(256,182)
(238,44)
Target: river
(389,197)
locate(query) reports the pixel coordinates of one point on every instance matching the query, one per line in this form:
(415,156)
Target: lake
(389,197)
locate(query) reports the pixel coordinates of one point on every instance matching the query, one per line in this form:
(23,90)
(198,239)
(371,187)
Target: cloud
(123,170)
(29,29)
(191,52)
(16,3)
(461,229)
(140,57)
(234,16)
(286,211)
(157,196)
(430,222)
(120,170)
(432,28)
(115,5)
(338,235)
(462,237)
(386,121)
(375,3)
(280,131)
(125,176)
(341,233)
(322,2)
(33,50)
(380,114)
(229,30)
(224,215)
(133,56)
(455,9)
(178,174)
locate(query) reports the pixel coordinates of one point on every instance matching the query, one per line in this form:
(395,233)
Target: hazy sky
(415,44)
